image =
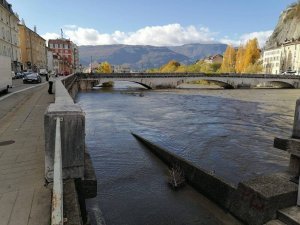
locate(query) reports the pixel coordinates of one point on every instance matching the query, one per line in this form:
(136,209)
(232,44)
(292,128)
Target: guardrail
(57,216)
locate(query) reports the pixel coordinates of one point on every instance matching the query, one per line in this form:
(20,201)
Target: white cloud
(262,37)
(172,34)
(48,36)
(166,35)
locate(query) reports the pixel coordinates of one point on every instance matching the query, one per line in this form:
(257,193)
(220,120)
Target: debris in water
(176,179)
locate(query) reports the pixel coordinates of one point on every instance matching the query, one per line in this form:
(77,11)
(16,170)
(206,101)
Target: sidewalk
(23,198)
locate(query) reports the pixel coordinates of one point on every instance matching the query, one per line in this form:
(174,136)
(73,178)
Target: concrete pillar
(296,127)
(294,165)
(72,140)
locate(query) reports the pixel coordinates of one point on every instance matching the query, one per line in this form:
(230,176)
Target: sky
(152,22)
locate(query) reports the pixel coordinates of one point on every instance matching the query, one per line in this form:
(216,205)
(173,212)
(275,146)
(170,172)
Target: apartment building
(282,59)
(68,52)
(9,39)
(33,49)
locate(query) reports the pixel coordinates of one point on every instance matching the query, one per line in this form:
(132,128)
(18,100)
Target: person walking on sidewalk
(50,81)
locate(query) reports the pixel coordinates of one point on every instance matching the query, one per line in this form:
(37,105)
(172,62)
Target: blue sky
(155,22)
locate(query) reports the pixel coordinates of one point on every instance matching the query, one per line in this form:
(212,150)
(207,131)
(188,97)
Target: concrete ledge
(257,201)
(290,145)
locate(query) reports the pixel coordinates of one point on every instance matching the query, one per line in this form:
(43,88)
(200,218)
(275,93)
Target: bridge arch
(129,81)
(281,84)
(213,81)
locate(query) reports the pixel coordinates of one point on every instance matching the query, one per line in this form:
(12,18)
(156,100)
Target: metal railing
(57,217)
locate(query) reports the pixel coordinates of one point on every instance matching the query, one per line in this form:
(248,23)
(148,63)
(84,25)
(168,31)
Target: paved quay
(24,200)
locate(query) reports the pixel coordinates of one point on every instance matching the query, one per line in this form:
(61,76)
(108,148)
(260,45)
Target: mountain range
(146,56)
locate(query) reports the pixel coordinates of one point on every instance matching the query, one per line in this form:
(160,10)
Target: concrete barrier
(72,134)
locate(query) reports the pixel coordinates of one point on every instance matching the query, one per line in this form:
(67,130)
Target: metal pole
(57,217)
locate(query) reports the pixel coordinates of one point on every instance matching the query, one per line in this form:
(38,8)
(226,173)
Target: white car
(289,72)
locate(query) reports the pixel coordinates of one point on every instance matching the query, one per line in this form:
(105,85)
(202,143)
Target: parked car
(20,75)
(32,78)
(289,72)
(43,72)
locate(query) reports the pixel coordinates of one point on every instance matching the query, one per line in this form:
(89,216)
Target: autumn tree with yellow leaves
(252,54)
(229,58)
(245,60)
(240,55)
(170,67)
(104,67)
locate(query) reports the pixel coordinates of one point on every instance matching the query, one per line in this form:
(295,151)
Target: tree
(252,53)
(228,64)
(104,67)
(240,59)
(170,67)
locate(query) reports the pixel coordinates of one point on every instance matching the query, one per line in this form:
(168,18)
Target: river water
(227,132)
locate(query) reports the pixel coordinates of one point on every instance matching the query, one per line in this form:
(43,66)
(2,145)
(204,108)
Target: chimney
(34,29)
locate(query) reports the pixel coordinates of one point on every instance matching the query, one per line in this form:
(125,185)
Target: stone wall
(72,134)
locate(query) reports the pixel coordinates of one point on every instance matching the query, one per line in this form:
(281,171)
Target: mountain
(198,51)
(287,27)
(146,56)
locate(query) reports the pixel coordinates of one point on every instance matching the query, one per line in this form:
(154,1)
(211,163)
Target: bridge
(173,80)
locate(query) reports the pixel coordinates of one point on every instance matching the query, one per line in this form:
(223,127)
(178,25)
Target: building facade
(121,69)
(9,39)
(214,59)
(68,52)
(282,59)
(33,49)
(50,63)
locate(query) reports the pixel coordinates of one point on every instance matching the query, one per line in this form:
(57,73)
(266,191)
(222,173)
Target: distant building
(33,49)
(68,52)
(50,63)
(214,59)
(284,58)
(9,39)
(271,61)
(121,69)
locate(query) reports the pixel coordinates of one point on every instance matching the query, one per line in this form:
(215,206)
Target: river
(227,132)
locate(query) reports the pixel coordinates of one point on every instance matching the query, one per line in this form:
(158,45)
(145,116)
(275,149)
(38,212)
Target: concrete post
(296,128)
(72,140)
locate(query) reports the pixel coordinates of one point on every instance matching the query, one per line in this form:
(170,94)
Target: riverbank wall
(78,174)
(253,202)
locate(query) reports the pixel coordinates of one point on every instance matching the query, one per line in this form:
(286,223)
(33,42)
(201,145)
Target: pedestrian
(50,81)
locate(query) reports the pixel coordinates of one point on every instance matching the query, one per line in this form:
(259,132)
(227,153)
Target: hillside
(198,51)
(287,28)
(142,57)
